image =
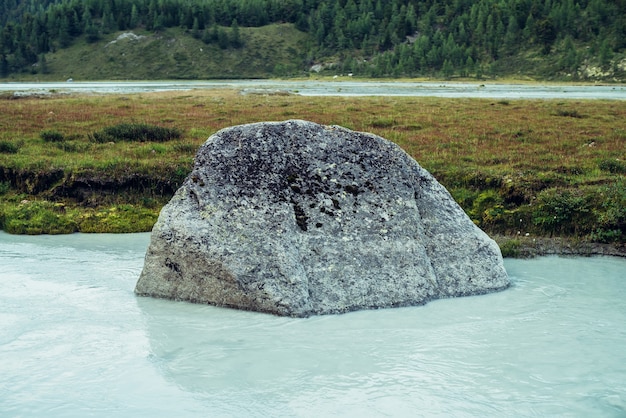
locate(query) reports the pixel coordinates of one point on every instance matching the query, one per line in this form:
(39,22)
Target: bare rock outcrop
(295,218)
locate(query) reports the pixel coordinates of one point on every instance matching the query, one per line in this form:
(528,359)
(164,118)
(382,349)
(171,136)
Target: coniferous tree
(134,17)
(151,15)
(529,29)
(108,22)
(408,37)
(91,31)
(570,60)
(512,36)
(546,34)
(64,36)
(447,69)
(158,23)
(223,40)
(43,64)
(214,33)
(73,24)
(469,65)
(4,65)
(235,35)
(195,28)
(207,36)
(605,54)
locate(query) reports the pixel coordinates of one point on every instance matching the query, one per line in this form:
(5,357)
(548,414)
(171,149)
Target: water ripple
(75,341)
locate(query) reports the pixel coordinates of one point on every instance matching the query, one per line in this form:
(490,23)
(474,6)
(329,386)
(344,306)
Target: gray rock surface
(296,218)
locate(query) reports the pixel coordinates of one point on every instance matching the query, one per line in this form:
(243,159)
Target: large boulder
(296,218)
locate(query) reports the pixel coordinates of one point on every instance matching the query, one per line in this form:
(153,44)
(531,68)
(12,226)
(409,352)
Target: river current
(75,341)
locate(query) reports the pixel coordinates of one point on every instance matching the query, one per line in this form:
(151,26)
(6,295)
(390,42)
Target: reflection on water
(75,341)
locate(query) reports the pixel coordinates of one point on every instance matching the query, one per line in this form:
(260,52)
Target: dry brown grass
(523,146)
(482,134)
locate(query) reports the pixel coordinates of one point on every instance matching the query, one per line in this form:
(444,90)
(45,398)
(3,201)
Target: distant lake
(340,87)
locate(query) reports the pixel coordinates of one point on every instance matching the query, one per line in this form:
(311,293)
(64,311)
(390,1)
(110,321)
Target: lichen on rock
(296,218)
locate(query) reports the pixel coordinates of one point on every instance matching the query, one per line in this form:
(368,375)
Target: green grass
(44,217)
(37,217)
(175,54)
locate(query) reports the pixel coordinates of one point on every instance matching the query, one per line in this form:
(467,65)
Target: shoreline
(515,247)
(531,247)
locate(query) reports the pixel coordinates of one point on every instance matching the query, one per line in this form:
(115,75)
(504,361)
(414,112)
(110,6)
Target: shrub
(51,136)
(8,147)
(606,236)
(510,248)
(610,210)
(136,132)
(613,166)
(464,197)
(382,123)
(487,207)
(569,113)
(563,211)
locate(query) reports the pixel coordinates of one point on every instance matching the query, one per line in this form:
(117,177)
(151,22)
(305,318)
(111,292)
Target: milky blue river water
(340,87)
(76,342)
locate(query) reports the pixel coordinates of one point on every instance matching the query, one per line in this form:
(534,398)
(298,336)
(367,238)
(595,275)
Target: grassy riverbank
(519,168)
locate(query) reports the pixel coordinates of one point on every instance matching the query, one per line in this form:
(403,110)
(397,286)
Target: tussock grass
(511,164)
(135,132)
(8,147)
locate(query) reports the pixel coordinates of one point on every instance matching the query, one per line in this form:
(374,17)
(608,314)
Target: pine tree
(512,36)
(158,23)
(43,64)
(195,28)
(134,17)
(65,39)
(152,15)
(206,36)
(447,69)
(90,29)
(222,38)
(73,23)
(4,65)
(469,65)
(606,54)
(529,28)
(108,23)
(570,60)
(235,35)
(546,34)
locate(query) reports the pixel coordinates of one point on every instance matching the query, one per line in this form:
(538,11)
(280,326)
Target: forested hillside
(555,39)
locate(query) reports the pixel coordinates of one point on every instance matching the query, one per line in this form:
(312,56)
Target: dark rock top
(296,218)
